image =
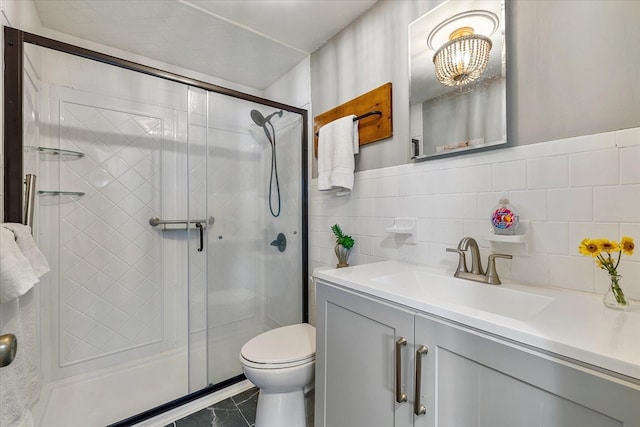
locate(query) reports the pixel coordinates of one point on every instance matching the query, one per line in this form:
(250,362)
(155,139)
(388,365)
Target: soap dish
(405,227)
(510,238)
(517,238)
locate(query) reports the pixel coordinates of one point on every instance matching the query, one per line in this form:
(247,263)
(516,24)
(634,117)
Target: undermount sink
(499,300)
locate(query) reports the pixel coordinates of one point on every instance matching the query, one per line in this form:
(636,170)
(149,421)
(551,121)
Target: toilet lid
(282,345)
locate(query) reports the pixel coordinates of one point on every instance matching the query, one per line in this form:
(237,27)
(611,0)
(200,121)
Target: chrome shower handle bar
(155,221)
(201,225)
(29,193)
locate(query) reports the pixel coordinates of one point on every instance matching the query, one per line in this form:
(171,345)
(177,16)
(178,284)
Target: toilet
(281,363)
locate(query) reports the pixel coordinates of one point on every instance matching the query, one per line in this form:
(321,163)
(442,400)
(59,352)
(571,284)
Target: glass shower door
(252,286)
(136,313)
(114,306)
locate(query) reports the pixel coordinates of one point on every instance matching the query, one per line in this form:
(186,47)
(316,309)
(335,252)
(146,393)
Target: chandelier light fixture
(463,58)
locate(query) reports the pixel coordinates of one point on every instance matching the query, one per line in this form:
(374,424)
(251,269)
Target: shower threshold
(182,410)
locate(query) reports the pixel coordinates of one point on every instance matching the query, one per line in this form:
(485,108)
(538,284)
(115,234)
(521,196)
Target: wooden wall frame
(370,129)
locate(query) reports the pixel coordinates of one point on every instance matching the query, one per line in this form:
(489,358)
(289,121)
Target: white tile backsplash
(571,272)
(616,203)
(531,205)
(569,189)
(548,172)
(629,165)
(570,204)
(477,179)
(627,137)
(551,238)
(594,168)
(509,175)
(440,230)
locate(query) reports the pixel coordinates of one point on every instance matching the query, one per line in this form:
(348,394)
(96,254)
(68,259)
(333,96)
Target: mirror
(463,109)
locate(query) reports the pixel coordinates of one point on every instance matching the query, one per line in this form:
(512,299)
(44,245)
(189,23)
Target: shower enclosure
(153,207)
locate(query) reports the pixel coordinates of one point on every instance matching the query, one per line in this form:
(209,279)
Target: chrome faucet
(476,274)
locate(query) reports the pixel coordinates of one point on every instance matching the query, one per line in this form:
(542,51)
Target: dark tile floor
(236,411)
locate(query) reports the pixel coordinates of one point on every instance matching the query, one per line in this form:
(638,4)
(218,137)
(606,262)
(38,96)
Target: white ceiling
(250,42)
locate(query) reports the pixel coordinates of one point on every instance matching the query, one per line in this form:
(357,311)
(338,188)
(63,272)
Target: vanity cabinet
(355,360)
(467,378)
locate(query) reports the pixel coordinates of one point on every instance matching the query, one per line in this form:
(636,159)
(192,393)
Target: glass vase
(614,298)
(343,255)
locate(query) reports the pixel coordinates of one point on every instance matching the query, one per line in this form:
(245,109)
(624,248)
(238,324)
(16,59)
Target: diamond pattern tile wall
(111,293)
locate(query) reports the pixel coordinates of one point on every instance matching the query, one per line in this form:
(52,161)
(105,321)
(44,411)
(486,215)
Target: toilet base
(281,409)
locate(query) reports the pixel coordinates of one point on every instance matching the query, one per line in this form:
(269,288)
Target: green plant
(342,239)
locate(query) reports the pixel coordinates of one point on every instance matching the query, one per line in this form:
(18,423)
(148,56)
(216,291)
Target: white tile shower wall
(127,273)
(568,189)
(110,267)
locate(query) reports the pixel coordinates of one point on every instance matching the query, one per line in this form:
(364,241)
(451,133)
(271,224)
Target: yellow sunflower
(589,247)
(608,246)
(627,245)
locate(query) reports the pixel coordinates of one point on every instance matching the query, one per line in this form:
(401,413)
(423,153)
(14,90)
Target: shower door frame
(14,41)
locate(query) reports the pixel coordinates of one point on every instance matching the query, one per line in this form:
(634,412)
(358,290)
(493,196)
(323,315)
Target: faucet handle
(492,273)
(462,261)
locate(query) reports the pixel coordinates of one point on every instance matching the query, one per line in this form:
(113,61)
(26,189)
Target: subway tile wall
(565,190)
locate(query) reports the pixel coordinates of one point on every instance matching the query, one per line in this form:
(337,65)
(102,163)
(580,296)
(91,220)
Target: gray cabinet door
(355,363)
(474,380)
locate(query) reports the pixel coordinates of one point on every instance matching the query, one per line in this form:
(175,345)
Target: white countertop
(574,324)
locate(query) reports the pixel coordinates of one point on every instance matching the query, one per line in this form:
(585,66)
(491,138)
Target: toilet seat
(282,347)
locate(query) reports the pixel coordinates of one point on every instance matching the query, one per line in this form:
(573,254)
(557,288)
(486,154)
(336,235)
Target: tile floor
(236,411)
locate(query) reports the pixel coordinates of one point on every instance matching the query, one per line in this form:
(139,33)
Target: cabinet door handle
(400,396)
(419,408)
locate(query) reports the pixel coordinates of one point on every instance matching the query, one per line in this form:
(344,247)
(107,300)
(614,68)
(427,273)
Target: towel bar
(362,116)
(365,105)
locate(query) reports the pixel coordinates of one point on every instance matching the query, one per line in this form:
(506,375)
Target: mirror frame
(425,88)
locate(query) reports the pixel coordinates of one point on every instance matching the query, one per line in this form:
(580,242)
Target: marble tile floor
(235,411)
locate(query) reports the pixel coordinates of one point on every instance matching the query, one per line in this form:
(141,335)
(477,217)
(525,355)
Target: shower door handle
(29,194)
(201,228)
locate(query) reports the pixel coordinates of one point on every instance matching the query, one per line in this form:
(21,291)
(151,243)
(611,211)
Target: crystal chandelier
(463,58)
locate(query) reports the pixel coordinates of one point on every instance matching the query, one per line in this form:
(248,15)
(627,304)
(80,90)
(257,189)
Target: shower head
(260,120)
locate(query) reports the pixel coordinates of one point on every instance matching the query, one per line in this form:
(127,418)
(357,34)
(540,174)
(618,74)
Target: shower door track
(154,412)
(14,41)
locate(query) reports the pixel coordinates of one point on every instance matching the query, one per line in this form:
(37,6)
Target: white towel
(20,381)
(29,248)
(21,262)
(338,142)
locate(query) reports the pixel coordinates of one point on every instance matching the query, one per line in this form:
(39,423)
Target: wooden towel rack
(372,111)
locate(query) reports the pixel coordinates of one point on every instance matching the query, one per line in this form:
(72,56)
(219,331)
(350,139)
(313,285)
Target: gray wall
(572,70)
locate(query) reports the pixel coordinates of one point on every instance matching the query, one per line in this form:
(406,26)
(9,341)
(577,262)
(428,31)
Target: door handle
(8,349)
(201,228)
(400,396)
(419,408)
